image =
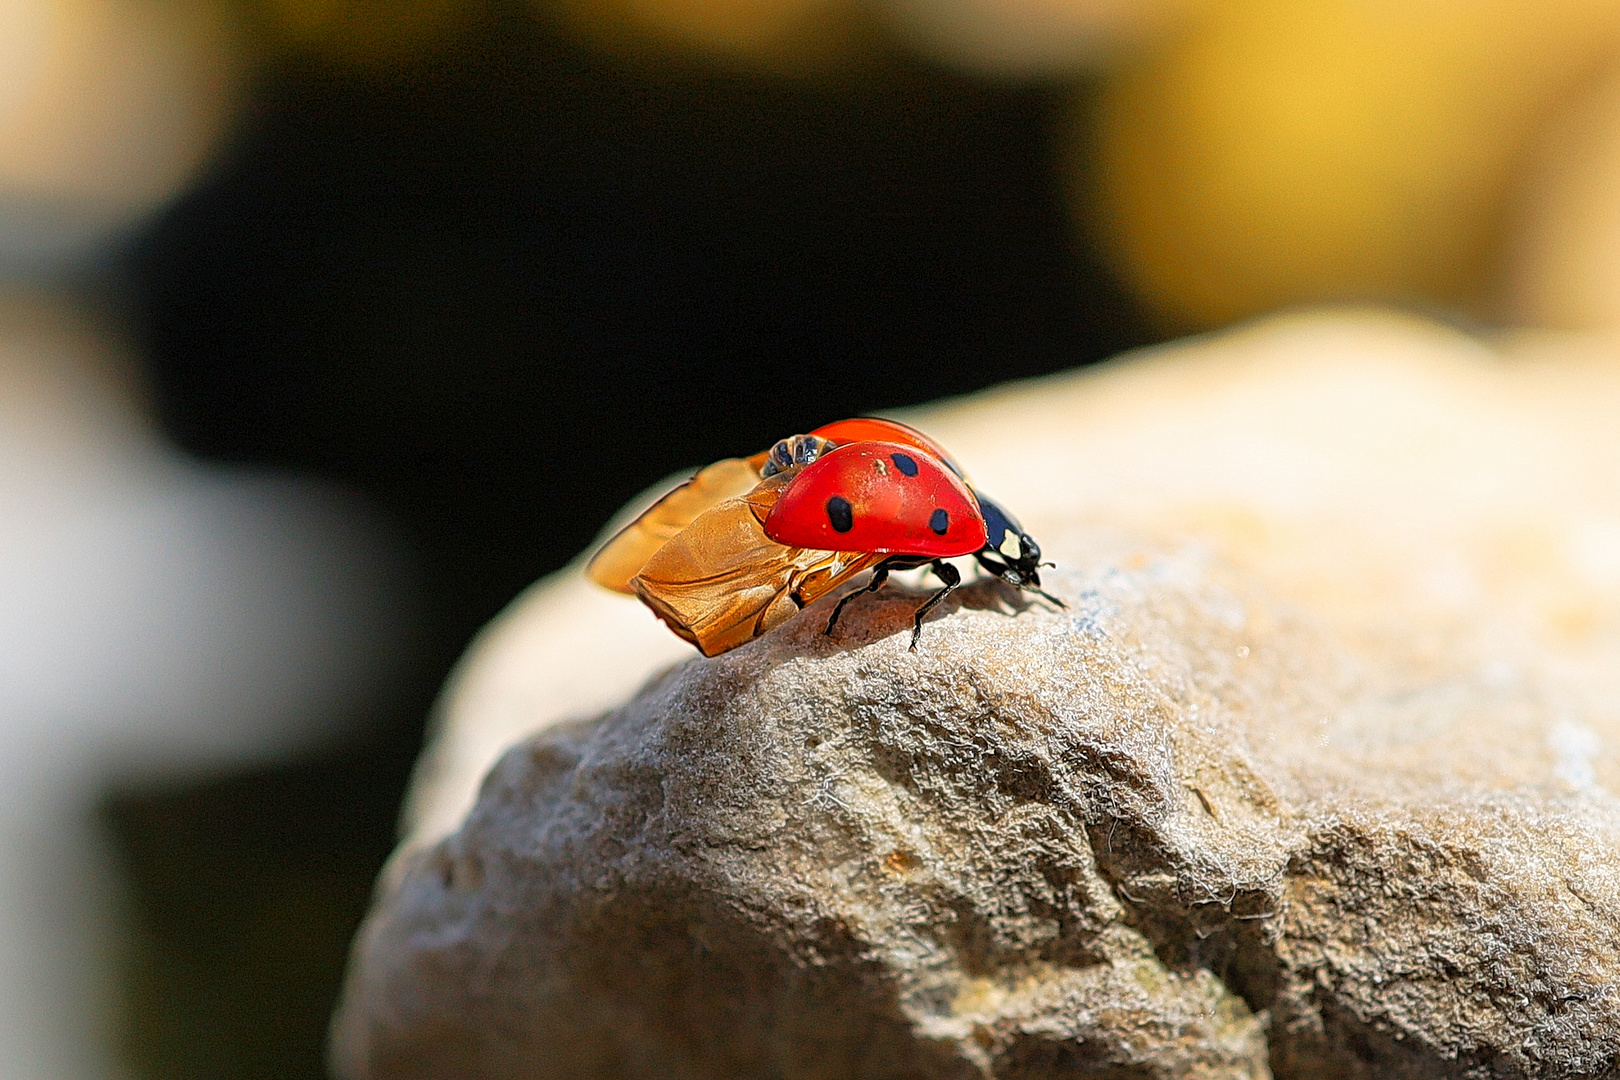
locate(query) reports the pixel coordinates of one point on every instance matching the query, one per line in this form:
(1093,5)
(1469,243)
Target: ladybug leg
(1048,597)
(996,567)
(1015,579)
(949,575)
(879,576)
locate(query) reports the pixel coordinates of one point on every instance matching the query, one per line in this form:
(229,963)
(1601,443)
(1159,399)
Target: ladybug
(749,542)
(888,499)
(1009,552)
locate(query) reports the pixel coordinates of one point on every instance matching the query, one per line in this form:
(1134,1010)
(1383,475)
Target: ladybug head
(1009,552)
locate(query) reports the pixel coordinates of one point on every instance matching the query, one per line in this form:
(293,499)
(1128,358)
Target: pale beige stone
(1314,777)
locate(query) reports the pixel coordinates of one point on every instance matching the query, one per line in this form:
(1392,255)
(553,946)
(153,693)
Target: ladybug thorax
(793,452)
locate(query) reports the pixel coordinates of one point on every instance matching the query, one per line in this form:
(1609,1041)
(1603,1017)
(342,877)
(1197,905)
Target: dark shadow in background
(498,297)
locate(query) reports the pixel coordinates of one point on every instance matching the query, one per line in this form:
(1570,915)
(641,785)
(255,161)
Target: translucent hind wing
(622,557)
(721,582)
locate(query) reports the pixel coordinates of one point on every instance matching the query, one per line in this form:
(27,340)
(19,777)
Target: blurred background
(327,326)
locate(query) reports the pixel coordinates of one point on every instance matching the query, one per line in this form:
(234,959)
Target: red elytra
(876,429)
(883,497)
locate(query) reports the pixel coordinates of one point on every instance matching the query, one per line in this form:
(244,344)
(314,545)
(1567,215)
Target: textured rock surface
(1312,778)
(1131,839)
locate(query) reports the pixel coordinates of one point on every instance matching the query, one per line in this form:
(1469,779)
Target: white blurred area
(158,617)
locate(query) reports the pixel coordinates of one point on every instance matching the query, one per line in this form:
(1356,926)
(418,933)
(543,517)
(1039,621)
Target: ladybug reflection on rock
(749,542)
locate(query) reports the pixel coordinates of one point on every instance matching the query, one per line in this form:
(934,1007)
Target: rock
(1416,490)
(1312,779)
(1162,833)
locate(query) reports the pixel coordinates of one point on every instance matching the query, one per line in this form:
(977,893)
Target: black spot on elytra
(840,513)
(905,463)
(939,522)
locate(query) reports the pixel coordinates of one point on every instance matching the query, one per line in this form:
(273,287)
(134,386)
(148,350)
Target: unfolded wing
(721,582)
(622,557)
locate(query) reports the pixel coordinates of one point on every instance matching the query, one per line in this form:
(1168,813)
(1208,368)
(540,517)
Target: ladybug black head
(1009,552)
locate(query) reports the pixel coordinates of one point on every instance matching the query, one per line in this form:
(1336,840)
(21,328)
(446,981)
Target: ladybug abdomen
(880,497)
